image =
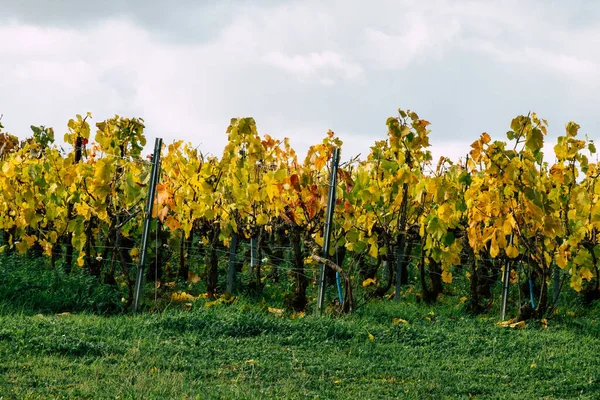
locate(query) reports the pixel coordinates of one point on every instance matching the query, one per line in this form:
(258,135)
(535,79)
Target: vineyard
(505,214)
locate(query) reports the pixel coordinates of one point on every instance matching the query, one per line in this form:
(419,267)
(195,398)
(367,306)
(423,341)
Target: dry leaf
(369,282)
(193,278)
(64,314)
(520,324)
(276,311)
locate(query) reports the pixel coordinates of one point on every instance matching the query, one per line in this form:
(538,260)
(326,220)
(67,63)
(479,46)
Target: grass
(241,351)
(29,286)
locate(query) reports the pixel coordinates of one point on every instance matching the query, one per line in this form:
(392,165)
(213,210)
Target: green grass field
(240,352)
(243,351)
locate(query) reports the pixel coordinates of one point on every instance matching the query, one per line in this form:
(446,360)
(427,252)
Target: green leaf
(465,178)
(535,140)
(448,239)
(436,227)
(592,148)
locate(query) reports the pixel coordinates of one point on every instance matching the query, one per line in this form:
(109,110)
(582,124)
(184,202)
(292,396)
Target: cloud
(577,68)
(417,39)
(323,65)
(301,67)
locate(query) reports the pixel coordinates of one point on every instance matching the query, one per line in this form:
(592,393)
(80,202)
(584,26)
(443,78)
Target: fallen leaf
(506,323)
(64,314)
(276,311)
(520,324)
(369,282)
(398,321)
(193,278)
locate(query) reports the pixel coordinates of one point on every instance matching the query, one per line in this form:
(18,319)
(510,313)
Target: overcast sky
(301,67)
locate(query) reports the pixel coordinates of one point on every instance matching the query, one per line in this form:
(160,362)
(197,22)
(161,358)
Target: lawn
(67,336)
(242,351)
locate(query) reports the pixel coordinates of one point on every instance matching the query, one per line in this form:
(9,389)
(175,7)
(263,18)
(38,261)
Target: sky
(301,68)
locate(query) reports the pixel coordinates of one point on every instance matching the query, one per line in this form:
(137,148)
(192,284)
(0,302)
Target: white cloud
(303,67)
(417,37)
(323,65)
(574,67)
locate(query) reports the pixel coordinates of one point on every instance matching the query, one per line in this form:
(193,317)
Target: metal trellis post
(146,231)
(328,221)
(232,259)
(505,284)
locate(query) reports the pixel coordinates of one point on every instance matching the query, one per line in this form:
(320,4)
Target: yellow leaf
(182,297)
(445,212)
(172,223)
(373,251)
(561,260)
(8,169)
(586,274)
(494,250)
(572,214)
(398,321)
(447,277)
(272,191)
(506,323)
(576,282)
(463,299)
(22,246)
(533,365)
(262,219)
(276,311)
(227,298)
(253,193)
(368,282)
(511,251)
(545,323)
(485,138)
(520,324)
(507,227)
(371,337)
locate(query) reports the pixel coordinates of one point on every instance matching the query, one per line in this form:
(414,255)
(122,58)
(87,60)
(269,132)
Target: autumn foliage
(505,204)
